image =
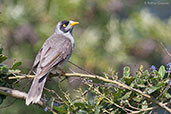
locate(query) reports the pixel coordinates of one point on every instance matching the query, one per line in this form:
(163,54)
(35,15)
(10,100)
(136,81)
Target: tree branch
(109,81)
(16,94)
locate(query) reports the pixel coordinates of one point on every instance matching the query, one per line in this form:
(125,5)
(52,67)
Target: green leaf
(115,111)
(144,104)
(152,89)
(146,73)
(155,88)
(118,94)
(168,96)
(2,58)
(128,80)
(79,104)
(161,72)
(17,71)
(97,109)
(126,71)
(60,109)
(141,68)
(127,95)
(99,100)
(3,69)
(138,98)
(15,65)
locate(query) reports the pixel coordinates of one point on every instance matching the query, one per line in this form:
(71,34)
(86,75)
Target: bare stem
(15,93)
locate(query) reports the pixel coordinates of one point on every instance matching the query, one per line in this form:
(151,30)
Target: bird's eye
(64,25)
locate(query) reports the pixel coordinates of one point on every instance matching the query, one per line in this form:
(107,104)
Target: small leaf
(126,71)
(141,68)
(15,71)
(152,89)
(145,104)
(61,109)
(155,88)
(162,71)
(127,95)
(3,69)
(2,58)
(79,104)
(128,80)
(138,98)
(141,85)
(115,111)
(146,73)
(15,65)
(98,101)
(167,95)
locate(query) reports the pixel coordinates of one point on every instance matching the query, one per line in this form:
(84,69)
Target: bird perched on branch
(54,53)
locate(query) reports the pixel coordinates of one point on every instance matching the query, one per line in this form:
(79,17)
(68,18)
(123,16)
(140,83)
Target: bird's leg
(50,76)
(58,73)
(62,72)
(66,77)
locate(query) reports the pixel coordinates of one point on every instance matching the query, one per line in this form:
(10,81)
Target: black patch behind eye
(65,22)
(62,28)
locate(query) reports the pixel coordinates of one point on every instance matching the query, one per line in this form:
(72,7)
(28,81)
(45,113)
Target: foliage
(105,97)
(108,98)
(5,72)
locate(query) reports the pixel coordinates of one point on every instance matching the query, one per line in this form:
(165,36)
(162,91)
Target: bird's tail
(36,89)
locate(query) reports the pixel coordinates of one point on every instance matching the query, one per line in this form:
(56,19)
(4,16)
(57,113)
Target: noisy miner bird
(54,53)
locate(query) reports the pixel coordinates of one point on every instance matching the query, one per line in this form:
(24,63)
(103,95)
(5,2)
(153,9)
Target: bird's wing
(37,59)
(55,49)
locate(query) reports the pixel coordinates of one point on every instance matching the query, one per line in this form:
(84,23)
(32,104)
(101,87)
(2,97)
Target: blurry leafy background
(111,34)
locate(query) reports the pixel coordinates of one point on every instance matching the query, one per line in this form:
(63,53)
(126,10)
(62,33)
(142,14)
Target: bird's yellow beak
(74,23)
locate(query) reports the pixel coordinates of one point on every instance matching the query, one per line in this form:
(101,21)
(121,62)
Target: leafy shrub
(140,93)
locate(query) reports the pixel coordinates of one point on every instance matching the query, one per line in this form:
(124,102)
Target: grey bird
(54,53)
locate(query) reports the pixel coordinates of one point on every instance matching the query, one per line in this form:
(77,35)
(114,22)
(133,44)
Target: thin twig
(83,69)
(15,93)
(52,91)
(19,95)
(21,77)
(165,49)
(141,110)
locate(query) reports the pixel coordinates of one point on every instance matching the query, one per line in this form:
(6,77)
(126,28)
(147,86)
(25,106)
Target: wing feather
(55,49)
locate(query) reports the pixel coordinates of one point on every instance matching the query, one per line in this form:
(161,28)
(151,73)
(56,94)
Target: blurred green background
(111,34)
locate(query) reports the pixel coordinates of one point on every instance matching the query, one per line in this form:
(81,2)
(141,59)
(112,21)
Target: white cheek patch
(67,28)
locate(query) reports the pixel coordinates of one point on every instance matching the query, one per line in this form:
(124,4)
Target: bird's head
(65,26)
